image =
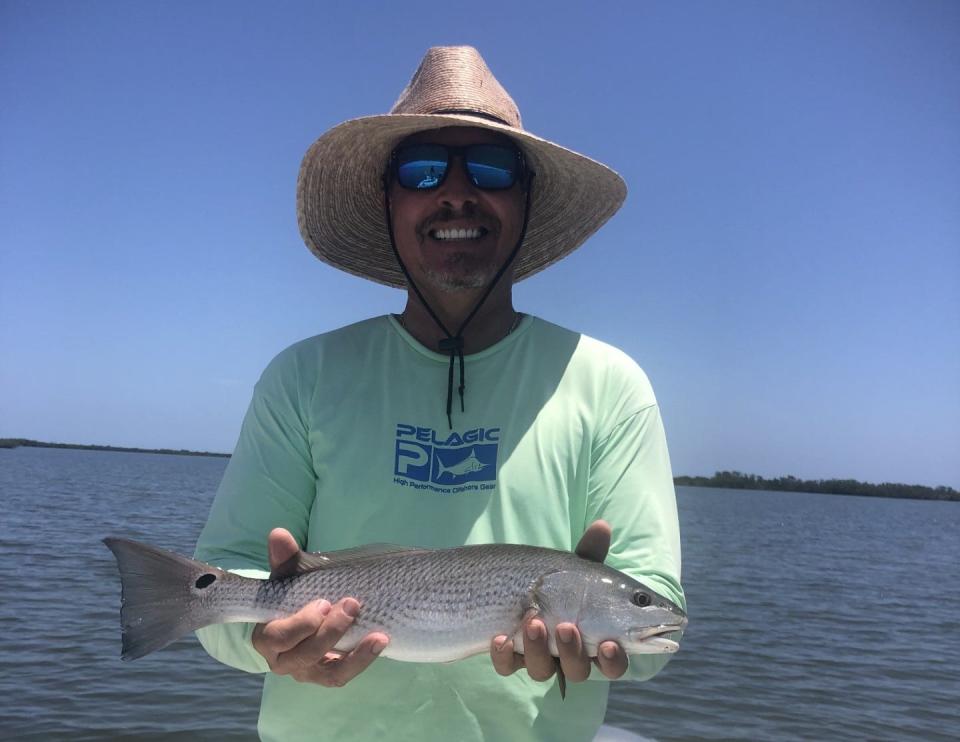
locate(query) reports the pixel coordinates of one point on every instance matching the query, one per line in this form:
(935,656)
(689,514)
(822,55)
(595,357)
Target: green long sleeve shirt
(346,442)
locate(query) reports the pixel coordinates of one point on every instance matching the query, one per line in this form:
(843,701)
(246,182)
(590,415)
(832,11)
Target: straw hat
(340,207)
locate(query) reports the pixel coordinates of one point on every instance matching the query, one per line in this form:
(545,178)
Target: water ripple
(812,617)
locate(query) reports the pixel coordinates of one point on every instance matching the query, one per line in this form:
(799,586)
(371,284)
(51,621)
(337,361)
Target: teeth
(457,234)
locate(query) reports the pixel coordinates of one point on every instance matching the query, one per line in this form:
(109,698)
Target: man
(458,421)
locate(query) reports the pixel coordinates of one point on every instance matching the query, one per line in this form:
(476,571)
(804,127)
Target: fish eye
(205,581)
(640,598)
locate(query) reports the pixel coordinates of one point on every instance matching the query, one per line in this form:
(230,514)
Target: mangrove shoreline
(733,480)
(26,443)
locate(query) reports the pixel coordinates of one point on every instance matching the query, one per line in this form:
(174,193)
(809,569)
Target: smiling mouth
(450,235)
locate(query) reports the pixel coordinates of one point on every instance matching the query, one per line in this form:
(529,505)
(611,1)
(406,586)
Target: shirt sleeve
(269,483)
(631,487)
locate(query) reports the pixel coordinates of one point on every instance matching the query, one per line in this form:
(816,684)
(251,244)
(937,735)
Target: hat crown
(455,79)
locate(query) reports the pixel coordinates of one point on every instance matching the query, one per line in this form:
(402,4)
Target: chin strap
(453,342)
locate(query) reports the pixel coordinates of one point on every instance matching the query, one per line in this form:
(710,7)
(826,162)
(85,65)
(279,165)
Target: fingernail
(351,608)
(608,650)
(324,607)
(533,631)
(378,647)
(499,643)
(565,634)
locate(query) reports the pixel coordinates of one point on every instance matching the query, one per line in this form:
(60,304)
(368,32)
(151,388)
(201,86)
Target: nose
(457,190)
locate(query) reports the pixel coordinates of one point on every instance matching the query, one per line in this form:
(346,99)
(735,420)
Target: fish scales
(435,605)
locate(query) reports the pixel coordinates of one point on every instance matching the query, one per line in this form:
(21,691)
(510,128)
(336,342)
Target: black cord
(453,343)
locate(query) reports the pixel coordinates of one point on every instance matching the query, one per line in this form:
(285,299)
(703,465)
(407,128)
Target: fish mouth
(657,645)
(649,632)
(655,639)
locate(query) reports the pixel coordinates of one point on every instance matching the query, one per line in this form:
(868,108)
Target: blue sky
(786,267)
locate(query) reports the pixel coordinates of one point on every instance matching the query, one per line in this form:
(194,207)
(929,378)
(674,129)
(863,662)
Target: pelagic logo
(446,462)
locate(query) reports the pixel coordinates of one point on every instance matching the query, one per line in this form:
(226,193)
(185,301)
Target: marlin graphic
(468,465)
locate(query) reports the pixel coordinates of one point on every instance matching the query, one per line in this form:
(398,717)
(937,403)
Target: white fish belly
(439,636)
(410,652)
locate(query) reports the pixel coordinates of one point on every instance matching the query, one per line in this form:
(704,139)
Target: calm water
(812,617)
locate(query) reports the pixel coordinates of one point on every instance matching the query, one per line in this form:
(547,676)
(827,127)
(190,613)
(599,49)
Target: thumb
(283,550)
(595,541)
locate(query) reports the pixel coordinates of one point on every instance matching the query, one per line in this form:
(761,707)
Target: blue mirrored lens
(424,166)
(491,166)
(421,166)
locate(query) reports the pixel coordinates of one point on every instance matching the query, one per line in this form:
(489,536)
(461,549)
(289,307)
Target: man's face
(427,224)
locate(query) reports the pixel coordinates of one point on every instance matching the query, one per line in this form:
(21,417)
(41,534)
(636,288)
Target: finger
(505,660)
(612,660)
(595,541)
(336,671)
(536,652)
(573,657)
(283,549)
(314,647)
(281,635)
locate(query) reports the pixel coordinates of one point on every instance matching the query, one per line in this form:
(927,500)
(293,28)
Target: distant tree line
(17,442)
(733,480)
(739,481)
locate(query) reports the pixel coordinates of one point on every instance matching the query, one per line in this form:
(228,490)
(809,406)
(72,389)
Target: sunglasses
(423,167)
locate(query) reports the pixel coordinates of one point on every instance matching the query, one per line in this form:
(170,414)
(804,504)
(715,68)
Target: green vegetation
(17,442)
(738,481)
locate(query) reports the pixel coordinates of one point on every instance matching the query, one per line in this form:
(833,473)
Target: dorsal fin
(310,561)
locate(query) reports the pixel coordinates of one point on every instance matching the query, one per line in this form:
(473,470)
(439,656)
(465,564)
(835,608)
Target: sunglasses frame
(393,168)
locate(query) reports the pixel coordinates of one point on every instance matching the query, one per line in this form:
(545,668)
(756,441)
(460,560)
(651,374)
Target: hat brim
(340,208)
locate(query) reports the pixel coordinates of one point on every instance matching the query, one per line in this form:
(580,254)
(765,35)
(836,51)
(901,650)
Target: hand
(301,645)
(574,662)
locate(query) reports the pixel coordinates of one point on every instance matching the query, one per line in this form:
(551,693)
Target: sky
(786,267)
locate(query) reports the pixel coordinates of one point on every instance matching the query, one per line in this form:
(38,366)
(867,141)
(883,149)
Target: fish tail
(162,595)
